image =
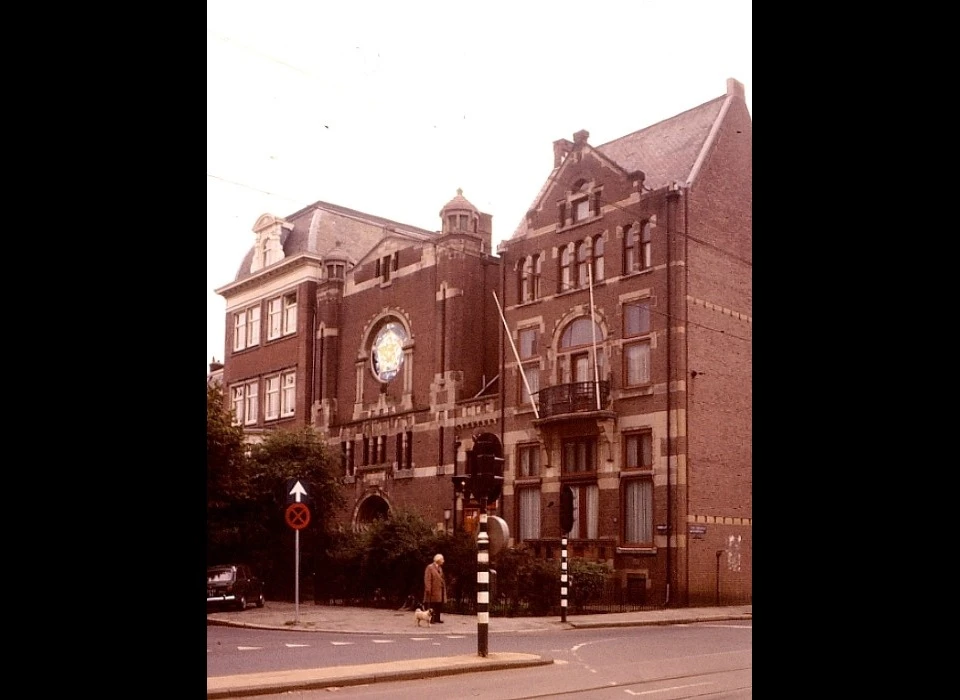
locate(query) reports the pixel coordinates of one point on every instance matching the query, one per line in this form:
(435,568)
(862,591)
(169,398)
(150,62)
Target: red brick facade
(645,415)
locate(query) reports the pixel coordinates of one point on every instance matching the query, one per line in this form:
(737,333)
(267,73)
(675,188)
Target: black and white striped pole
(566,524)
(563,579)
(485,467)
(483,581)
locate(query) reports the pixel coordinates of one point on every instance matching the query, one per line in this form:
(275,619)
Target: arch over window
(578,333)
(575,355)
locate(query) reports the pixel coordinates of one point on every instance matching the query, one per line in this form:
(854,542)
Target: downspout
(671,222)
(502,349)
(314,345)
(443,346)
(686,369)
(503,354)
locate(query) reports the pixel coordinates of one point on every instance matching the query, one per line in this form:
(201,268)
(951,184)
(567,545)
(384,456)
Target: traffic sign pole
(297,516)
(296,577)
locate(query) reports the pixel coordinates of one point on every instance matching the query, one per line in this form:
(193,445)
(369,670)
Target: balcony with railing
(577,398)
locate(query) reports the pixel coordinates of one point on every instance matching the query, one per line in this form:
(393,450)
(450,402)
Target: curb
(315,679)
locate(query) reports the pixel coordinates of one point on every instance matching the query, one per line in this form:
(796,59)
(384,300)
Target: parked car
(233,586)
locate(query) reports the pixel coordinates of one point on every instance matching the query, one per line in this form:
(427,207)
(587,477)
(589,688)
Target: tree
(226,478)
(225,450)
(286,454)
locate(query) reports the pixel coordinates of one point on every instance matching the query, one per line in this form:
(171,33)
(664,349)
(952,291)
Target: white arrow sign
(298,491)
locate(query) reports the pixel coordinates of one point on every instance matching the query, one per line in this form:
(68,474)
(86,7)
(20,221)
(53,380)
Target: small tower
(459,216)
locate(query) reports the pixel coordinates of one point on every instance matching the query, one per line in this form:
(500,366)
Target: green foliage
(226,457)
(226,481)
(283,455)
(587,579)
(384,563)
(246,497)
(526,585)
(398,549)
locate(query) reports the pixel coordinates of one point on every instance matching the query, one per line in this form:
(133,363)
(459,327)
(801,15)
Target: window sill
(527,481)
(632,273)
(633,391)
(529,302)
(403,473)
(578,224)
(636,550)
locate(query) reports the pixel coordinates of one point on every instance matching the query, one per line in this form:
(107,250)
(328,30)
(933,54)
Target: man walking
(435,588)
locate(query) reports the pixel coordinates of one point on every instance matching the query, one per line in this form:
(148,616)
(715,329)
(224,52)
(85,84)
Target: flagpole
(517,356)
(593,330)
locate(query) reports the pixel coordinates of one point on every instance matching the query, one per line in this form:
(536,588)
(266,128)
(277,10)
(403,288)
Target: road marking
(456,636)
(664,690)
(248,648)
(293,646)
(383,641)
(419,639)
(341,644)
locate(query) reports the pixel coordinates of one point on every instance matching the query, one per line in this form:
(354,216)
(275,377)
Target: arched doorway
(371,508)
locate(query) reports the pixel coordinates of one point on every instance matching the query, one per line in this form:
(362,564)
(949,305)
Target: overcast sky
(389,107)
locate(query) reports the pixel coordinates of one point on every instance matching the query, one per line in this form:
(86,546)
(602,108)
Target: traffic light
(485,466)
(566,509)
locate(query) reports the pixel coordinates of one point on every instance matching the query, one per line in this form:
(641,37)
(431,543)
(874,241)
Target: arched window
(575,356)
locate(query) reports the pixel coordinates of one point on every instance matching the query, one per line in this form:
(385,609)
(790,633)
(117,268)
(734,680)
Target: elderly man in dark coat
(435,588)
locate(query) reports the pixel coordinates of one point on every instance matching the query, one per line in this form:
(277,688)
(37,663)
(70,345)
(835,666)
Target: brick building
(626,372)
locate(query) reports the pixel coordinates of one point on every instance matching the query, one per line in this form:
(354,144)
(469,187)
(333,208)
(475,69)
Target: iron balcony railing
(579,397)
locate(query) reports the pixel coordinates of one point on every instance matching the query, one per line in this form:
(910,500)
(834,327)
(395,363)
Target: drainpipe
(686,368)
(503,359)
(672,195)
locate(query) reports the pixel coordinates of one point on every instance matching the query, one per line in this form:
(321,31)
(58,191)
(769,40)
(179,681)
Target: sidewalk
(324,618)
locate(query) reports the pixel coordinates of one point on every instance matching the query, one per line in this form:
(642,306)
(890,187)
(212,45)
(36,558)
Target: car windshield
(219,575)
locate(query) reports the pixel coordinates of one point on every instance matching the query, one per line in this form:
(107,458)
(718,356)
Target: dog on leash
(422,614)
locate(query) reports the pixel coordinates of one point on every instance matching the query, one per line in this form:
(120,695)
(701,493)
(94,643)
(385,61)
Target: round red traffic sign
(297,515)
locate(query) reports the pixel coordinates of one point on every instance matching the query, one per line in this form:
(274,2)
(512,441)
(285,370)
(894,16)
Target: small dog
(421,615)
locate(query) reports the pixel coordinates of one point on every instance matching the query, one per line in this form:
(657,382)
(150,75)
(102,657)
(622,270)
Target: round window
(386,354)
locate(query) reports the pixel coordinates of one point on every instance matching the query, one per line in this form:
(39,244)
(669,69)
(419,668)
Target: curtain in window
(638,363)
(638,511)
(593,510)
(529,513)
(575,530)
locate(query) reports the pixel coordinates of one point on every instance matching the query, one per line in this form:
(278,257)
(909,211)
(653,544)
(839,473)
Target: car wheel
(242,603)
(260,601)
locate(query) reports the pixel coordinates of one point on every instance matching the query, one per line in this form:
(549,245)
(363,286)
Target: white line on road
(294,646)
(341,644)
(248,648)
(664,690)
(383,641)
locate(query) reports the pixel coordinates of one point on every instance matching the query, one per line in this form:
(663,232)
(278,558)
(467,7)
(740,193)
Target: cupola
(459,216)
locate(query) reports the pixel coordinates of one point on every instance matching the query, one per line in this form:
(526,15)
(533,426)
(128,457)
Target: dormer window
(335,271)
(581,209)
(582,203)
(268,248)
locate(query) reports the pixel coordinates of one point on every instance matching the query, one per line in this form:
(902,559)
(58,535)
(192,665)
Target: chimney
(580,138)
(561,149)
(735,87)
(214,365)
